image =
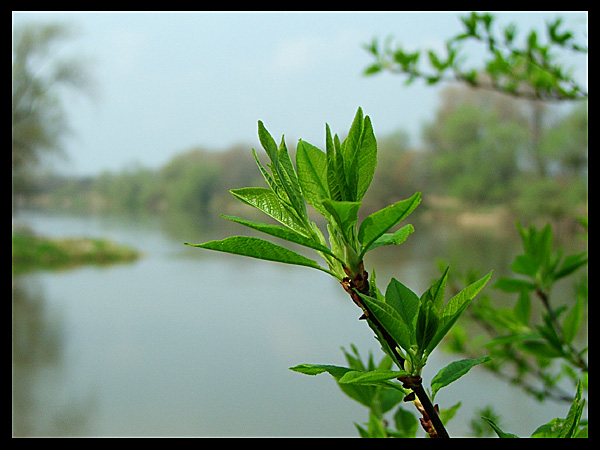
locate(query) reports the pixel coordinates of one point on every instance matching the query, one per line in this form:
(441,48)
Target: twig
(430,421)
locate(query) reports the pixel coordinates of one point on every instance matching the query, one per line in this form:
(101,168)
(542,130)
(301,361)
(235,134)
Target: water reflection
(43,404)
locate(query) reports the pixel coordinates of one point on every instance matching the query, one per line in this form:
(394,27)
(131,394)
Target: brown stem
(431,421)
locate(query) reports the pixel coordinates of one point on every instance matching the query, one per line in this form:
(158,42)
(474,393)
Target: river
(187,342)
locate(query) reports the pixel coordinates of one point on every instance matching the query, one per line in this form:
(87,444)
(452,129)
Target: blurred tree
(564,146)
(475,144)
(39,79)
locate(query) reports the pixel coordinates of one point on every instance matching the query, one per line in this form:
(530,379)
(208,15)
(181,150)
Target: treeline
(482,149)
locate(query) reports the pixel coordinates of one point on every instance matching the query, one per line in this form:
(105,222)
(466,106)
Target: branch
(430,421)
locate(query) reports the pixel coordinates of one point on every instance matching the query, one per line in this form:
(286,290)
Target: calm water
(186,342)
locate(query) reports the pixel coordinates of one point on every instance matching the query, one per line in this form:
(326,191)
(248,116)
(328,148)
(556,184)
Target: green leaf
(373,377)
(571,264)
(526,265)
(497,429)
(345,216)
(365,395)
(267,142)
(396,238)
(350,151)
(406,423)
(268,202)
(522,308)
(312,175)
(391,321)
(315,369)
(514,285)
(282,233)
(378,223)
(427,324)
(436,292)
(367,158)
(454,308)
(335,172)
(260,249)
(453,372)
(573,321)
(404,301)
(286,171)
(283,173)
(564,428)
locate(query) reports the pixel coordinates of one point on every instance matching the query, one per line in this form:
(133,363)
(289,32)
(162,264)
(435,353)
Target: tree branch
(430,421)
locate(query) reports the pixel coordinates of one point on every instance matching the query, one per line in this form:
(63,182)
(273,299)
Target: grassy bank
(30,251)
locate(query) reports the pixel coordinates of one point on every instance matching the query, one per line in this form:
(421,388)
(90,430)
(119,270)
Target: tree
(475,143)
(39,78)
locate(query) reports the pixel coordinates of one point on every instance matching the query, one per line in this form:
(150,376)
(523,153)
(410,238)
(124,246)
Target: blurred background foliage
(483,150)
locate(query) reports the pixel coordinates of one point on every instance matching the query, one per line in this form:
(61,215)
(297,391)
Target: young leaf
(315,369)
(367,158)
(312,175)
(571,264)
(378,223)
(268,202)
(522,308)
(373,377)
(390,320)
(454,308)
(499,432)
(436,292)
(564,428)
(350,151)
(282,233)
(406,423)
(267,142)
(404,301)
(396,238)
(283,174)
(427,324)
(572,322)
(335,174)
(514,285)
(260,249)
(453,372)
(345,216)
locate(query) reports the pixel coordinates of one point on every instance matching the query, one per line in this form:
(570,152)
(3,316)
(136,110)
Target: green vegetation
(34,252)
(408,326)
(333,183)
(39,78)
(478,152)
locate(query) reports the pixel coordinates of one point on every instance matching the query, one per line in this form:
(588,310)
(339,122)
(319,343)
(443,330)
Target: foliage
(570,427)
(528,69)
(334,182)
(38,117)
(534,354)
(490,149)
(33,252)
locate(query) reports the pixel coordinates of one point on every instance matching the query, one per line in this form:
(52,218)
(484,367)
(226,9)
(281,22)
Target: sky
(169,82)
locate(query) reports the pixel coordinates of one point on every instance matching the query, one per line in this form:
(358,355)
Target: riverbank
(30,251)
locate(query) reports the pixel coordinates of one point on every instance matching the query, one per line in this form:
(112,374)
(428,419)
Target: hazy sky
(167,82)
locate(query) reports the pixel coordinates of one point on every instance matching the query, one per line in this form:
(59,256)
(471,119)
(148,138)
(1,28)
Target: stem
(430,410)
(360,283)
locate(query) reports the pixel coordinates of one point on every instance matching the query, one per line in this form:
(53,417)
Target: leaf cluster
(570,427)
(418,324)
(538,268)
(528,69)
(333,182)
(375,387)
